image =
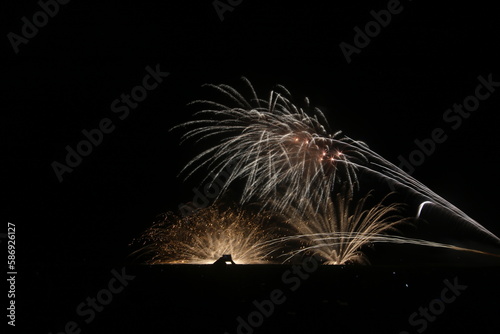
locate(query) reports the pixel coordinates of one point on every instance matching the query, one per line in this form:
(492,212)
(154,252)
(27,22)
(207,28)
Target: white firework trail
(319,242)
(383,168)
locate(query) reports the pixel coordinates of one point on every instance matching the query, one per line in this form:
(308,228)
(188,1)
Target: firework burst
(282,152)
(338,231)
(208,234)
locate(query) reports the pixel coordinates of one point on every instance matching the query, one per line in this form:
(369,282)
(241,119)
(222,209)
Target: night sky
(67,77)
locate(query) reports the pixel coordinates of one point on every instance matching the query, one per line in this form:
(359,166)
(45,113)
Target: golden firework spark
(208,234)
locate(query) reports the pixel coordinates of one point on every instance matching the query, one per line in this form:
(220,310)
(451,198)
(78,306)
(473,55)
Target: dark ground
(378,299)
(71,234)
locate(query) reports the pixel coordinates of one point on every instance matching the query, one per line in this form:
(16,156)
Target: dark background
(71,234)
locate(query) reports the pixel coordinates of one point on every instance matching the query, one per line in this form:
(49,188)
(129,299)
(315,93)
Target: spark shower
(298,189)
